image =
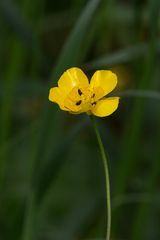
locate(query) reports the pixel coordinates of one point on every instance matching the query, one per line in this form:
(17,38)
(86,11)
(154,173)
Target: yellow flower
(76,95)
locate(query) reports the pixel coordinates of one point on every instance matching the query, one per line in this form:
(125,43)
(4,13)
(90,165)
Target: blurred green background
(52,182)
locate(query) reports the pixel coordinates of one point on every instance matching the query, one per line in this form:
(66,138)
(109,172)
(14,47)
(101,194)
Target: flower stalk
(107,179)
(76,94)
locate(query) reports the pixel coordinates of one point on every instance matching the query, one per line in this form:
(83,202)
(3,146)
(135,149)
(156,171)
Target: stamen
(79,92)
(94,103)
(79,102)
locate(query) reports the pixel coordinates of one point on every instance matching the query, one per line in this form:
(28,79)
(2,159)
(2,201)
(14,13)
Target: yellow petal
(104,79)
(73,77)
(55,95)
(105,106)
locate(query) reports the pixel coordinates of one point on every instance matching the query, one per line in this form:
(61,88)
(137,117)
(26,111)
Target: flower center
(82,99)
(79,99)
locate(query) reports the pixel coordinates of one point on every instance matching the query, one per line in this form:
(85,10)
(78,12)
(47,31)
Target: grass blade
(149,94)
(15,67)
(141,214)
(68,57)
(127,163)
(71,52)
(122,56)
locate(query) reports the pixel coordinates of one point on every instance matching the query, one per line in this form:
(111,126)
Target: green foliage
(51,177)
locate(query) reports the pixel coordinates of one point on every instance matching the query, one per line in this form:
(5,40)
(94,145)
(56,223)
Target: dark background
(52,182)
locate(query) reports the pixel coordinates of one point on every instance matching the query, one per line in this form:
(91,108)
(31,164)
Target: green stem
(106,170)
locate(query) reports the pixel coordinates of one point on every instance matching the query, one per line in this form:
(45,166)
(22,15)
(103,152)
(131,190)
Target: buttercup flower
(76,95)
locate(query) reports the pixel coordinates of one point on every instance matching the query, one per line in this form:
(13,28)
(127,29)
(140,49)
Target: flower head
(76,95)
